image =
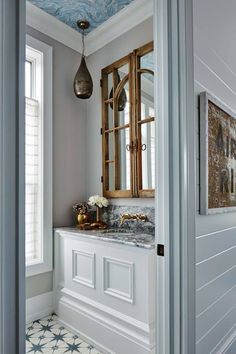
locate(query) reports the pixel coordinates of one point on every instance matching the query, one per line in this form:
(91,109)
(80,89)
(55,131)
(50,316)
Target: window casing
(38,157)
(128,134)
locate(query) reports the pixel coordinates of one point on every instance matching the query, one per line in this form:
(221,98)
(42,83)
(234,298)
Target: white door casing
(174,98)
(12,263)
(176,199)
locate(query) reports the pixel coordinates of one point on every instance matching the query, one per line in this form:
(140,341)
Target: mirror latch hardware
(160,250)
(144,147)
(132,147)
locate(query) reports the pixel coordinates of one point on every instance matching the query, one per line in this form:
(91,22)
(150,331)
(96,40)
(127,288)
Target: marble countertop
(125,237)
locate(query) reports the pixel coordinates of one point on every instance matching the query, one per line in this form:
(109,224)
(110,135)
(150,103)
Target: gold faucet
(140,217)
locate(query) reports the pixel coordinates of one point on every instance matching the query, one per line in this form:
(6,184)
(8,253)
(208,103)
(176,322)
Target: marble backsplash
(111,215)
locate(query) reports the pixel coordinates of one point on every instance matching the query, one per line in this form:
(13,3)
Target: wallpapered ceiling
(69,11)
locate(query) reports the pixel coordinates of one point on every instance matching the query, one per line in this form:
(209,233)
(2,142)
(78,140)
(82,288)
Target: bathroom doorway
(103,229)
(174,197)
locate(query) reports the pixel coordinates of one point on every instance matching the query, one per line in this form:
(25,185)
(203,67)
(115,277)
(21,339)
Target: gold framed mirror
(128,126)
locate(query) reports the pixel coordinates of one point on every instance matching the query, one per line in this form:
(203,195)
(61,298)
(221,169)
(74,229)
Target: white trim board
(39,306)
(106,328)
(12,163)
(176,211)
(52,27)
(126,19)
(129,17)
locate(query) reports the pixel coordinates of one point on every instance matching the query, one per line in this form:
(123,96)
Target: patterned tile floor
(47,336)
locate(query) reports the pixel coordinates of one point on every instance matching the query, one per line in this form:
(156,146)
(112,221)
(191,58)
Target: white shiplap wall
(216,234)
(215,72)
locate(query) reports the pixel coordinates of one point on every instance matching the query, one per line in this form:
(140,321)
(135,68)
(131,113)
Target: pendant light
(83,84)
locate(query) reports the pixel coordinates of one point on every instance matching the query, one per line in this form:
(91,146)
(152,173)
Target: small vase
(98,214)
(98,224)
(82,219)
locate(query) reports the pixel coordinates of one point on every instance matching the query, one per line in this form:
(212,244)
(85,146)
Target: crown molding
(129,17)
(52,27)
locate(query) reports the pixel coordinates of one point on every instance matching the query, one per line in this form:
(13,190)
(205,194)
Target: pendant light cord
(83,43)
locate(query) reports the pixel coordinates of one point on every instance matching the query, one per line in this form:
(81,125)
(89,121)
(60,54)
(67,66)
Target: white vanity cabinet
(105,291)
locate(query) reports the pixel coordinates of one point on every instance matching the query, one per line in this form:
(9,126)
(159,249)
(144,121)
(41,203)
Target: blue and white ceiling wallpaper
(70,11)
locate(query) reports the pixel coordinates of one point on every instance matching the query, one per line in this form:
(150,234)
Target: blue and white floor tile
(47,336)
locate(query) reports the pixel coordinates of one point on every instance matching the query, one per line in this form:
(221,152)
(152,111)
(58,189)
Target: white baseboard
(99,324)
(39,306)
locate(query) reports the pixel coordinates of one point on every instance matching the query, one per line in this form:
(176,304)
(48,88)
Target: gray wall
(69,122)
(69,150)
(216,234)
(115,50)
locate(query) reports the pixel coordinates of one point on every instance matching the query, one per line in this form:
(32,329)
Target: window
(38,157)
(128,125)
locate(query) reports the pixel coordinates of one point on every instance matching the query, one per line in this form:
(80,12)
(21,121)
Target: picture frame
(217,156)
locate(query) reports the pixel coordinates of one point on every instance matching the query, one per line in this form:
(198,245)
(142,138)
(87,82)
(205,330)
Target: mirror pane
(110,120)
(148,155)
(146,96)
(123,71)
(124,115)
(109,83)
(111,176)
(111,153)
(123,159)
(118,75)
(147,61)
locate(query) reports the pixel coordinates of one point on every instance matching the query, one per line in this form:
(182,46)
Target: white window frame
(42,74)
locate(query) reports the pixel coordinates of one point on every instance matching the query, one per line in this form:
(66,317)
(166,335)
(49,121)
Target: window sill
(37,268)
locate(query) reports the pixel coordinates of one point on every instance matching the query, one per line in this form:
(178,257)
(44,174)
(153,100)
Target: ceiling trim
(129,17)
(52,27)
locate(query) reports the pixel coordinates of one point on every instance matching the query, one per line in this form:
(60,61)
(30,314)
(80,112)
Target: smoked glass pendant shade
(122,99)
(83,83)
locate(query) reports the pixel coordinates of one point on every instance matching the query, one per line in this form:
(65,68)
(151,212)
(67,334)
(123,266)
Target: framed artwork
(217,156)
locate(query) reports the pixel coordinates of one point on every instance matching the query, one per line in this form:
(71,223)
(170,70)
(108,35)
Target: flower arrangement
(81,208)
(82,215)
(98,201)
